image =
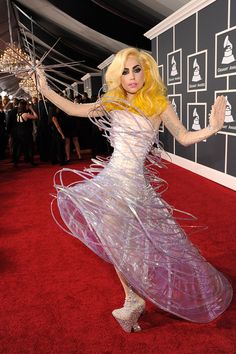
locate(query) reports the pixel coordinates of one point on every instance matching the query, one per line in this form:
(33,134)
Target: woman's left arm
(185,137)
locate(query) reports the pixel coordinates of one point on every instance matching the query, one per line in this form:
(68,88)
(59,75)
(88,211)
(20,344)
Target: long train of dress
(116,211)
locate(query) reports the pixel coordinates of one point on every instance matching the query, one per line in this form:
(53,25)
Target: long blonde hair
(151,98)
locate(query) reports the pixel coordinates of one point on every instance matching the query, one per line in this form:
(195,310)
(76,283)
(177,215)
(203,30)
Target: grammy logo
(196,73)
(196,123)
(228,52)
(174,70)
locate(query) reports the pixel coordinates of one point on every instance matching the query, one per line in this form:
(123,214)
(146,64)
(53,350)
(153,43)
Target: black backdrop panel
(164,46)
(231,162)
(205,43)
(212,153)
(185,33)
(232,13)
(232,82)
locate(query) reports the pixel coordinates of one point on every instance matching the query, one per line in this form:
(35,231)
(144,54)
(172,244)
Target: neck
(129,96)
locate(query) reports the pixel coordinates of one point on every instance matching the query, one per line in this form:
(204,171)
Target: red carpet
(57,296)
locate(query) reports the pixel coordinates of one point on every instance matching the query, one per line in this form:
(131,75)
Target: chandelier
(29,86)
(14,60)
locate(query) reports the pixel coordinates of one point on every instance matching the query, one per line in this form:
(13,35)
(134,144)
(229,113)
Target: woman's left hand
(217,116)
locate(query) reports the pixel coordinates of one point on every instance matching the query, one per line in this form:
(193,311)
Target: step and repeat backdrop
(197,61)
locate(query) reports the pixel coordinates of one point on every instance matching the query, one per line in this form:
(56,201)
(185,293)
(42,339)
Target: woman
(3,132)
(24,133)
(119,214)
(57,118)
(71,133)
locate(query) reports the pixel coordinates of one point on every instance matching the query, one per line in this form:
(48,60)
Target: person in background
(58,138)
(7,107)
(23,140)
(11,126)
(3,132)
(34,102)
(43,130)
(71,133)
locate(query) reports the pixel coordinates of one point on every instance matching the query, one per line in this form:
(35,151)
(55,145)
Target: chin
(133,91)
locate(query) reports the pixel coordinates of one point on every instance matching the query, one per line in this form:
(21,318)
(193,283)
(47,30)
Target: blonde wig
(151,98)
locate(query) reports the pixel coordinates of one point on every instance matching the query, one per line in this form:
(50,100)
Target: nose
(132,75)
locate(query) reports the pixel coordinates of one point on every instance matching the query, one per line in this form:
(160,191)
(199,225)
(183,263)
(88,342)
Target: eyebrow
(135,66)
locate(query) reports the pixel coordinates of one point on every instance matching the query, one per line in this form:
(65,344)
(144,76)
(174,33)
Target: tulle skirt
(121,217)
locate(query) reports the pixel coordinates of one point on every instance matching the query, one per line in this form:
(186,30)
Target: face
(132,79)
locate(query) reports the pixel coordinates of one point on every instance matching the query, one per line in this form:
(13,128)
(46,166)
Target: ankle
(131,296)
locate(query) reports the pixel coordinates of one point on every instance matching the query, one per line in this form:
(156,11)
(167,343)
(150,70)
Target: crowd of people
(35,126)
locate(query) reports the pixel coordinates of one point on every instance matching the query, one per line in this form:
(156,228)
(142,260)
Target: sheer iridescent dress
(116,209)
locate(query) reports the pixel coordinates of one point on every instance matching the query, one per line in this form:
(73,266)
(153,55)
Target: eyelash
(136,71)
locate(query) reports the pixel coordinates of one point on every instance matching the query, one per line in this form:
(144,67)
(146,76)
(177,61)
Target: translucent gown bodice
(116,209)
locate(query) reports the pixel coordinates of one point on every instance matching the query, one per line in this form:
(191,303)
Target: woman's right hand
(41,78)
(217,116)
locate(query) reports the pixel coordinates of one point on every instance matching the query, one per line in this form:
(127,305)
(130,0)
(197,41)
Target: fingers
(220,104)
(221,100)
(217,115)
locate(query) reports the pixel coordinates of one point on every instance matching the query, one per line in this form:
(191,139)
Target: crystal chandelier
(14,60)
(29,86)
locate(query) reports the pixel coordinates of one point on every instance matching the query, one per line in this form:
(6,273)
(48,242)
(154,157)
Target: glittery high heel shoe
(128,315)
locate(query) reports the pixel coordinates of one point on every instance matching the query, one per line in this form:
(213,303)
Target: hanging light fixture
(28,86)
(14,60)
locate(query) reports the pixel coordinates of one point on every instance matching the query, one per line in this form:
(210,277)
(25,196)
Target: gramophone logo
(196,121)
(228,57)
(229,126)
(174,71)
(174,67)
(196,72)
(228,112)
(225,52)
(176,102)
(196,116)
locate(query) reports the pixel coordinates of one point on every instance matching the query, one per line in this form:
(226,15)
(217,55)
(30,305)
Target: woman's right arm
(57,125)
(71,108)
